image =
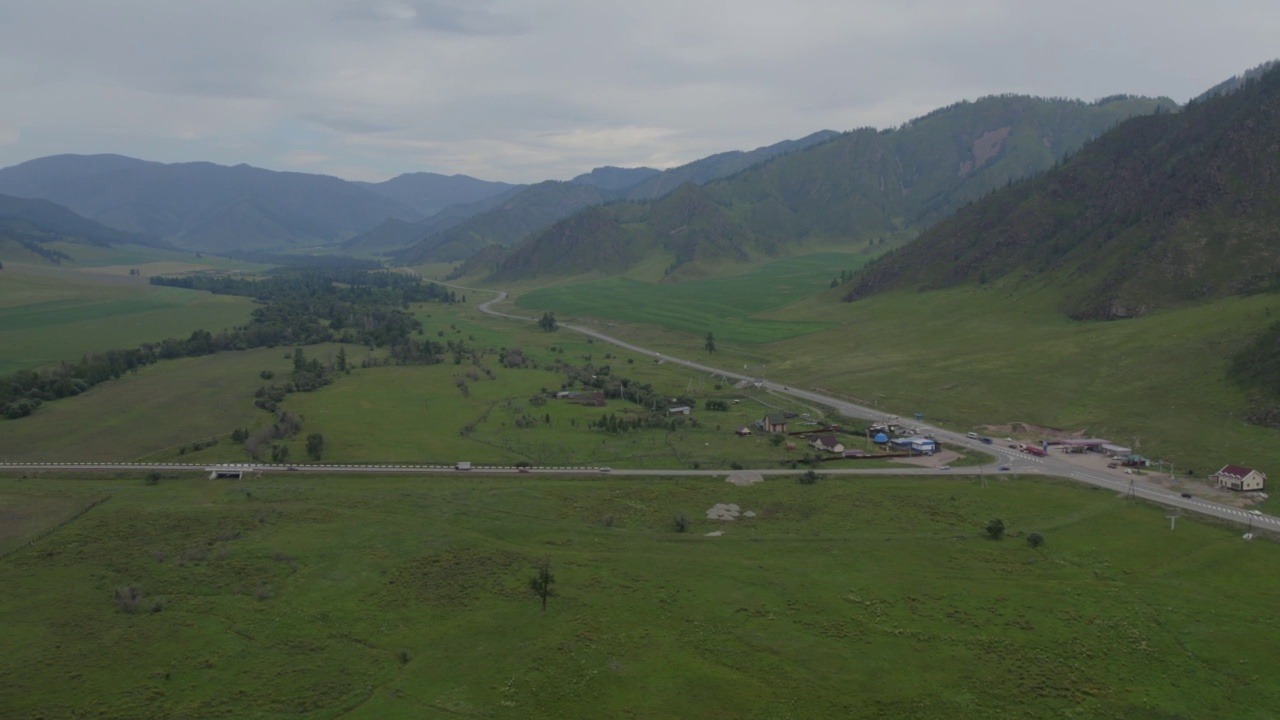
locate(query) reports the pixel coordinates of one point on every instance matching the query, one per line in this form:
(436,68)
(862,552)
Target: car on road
(522,469)
(606,469)
(1255,512)
(1005,468)
(1186,495)
(945,467)
(986,441)
(292,468)
(1113,465)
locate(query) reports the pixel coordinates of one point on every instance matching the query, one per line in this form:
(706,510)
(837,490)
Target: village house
(679,410)
(775,423)
(743,431)
(827,443)
(1238,477)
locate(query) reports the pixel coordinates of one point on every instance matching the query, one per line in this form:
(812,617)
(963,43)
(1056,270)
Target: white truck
(462,465)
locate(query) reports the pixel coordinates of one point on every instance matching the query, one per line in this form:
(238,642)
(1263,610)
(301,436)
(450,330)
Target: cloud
(519,91)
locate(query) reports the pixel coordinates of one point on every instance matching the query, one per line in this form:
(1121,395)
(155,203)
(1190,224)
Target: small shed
(679,410)
(743,431)
(1239,477)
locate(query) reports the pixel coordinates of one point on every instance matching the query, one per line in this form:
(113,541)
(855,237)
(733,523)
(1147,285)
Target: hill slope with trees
(1162,210)
(538,206)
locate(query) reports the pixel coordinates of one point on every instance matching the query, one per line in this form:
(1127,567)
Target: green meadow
(51,314)
(728,307)
(320,597)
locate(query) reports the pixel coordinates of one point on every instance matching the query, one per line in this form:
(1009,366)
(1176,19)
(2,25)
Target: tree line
(298,307)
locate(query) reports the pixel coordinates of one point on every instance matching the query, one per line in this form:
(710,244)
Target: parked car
(606,469)
(1113,465)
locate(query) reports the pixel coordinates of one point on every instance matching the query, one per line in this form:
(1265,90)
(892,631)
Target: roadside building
(828,443)
(775,423)
(1239,477)
(743,431)
(923,445)
(1116,450)
(679,410)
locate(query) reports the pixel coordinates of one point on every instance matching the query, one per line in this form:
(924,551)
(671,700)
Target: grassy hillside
(727,307)
(405,597)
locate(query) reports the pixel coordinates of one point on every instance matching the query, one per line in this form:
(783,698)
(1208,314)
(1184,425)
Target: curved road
(1017,461)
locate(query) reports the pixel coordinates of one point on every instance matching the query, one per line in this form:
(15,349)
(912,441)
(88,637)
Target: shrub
(681,522)
(1035,539)
(995,529)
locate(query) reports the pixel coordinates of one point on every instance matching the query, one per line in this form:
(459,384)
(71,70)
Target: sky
(523,91)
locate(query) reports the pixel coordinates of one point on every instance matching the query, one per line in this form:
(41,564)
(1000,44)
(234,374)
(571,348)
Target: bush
(681,522)
(995,529)
(1035,539)
(809,477)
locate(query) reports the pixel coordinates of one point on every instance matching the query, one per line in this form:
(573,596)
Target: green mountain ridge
(1162,210)
(861,187)
(536,207)
(34,223)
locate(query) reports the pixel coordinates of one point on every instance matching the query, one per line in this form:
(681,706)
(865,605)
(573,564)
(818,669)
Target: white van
(971,435)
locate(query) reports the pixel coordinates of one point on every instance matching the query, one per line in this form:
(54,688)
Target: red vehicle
(1033,450)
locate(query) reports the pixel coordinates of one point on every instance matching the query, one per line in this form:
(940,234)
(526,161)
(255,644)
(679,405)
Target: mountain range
(861,187)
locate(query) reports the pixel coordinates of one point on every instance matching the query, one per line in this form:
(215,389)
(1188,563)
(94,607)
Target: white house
(1239,477)
(679,410)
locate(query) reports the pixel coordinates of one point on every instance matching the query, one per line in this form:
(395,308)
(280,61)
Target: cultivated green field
(728,307)
(161,406)
(50,314)
(325,597)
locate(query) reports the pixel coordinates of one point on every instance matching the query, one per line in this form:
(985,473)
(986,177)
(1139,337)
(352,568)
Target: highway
(1017,462)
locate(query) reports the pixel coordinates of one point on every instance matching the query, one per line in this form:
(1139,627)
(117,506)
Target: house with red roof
(1239,477)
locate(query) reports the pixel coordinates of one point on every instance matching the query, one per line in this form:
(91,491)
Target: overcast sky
(526,91)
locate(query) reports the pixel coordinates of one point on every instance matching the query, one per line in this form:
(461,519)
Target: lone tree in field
(995,529)
(711,343)
(542,581)
(548,322)
(315,446)
(1035,539)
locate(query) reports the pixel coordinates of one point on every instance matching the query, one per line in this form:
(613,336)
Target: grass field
(323,597)
(728,307)
(50,314)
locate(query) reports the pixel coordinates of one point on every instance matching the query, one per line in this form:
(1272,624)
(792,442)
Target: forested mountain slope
(1162,210)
